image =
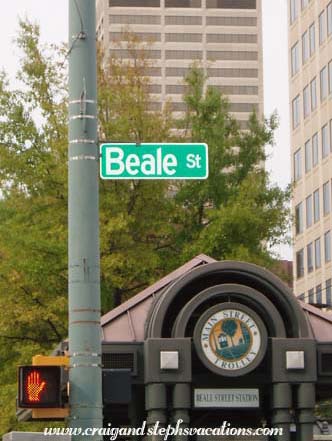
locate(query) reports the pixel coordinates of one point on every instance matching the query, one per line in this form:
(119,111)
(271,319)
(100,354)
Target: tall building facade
(310,71)
(225,36)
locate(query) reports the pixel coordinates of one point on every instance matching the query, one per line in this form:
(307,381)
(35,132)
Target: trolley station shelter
(213,342)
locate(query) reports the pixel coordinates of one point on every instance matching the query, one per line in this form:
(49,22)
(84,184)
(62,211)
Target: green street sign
(154,161)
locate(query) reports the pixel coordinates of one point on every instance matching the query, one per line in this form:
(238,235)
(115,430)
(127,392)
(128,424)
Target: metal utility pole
(84,272)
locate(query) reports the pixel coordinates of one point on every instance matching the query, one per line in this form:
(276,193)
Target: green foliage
(145,230)
(33,214)
(236,213)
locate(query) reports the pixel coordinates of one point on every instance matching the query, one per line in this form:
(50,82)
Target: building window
(308,208)
(293,10)
(231,4)
(126,54)
(297,165)
(306,102)
(322,27)
(154,88)
(323,84)
(330,76)
(232,55)
(299,218)
(243,107)
(231,21)
(178,107)
(329,292)
(315,150)
(237,90)
(307,156)
(176,89)
(329,18)
(300,263)
(188,38)
(153,71)
(313,90)
(295,58)
(144,36)
(182,3)
(227,72)
(296,111)
(134,19)
(327,246)
(305,47)
(231,38)
(135,3)
(325,141)
(318,262)
(183,55)
(310,257)
(316,206)
(176,71)
(182,20)
(326,198)
(311,295)
(312,38)
(319,294)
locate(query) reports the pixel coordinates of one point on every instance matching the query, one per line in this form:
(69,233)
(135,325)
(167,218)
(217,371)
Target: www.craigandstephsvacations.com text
(166,432)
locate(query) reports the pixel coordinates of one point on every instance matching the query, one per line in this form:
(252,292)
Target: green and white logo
(230,339)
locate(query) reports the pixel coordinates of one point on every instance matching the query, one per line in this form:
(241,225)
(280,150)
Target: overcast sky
(53,19)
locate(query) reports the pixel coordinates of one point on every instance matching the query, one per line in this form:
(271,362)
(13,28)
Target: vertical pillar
(156,407)
(181,407)
(305,412)
(83,224)
(281,404)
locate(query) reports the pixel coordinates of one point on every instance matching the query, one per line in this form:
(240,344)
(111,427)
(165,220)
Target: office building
(225,36)
(310,72)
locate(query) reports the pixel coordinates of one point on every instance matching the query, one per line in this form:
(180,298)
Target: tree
(135,239)
(236,213)
(33,213)
(145,231)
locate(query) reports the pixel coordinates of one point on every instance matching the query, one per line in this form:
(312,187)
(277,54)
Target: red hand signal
(35,386)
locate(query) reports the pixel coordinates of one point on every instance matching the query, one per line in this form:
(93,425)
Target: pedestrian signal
(39,387)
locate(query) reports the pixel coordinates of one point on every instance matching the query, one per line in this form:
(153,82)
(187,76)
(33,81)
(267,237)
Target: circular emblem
(231,339)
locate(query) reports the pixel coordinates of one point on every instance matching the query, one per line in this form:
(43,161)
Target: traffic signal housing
(42,387)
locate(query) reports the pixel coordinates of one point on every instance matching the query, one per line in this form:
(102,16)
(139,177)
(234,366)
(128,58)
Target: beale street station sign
(232,398)
(154,161)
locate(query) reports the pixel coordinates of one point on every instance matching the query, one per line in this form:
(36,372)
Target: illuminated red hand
(35,386)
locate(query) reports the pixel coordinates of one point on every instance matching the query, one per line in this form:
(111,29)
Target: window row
(233,107)
(226,90)
(306,47)
(318,299)
(212,72)
(324,23)
(311,151)
(309,95)
(294,7)
(182,20)
(308,212)
(222,4)
(310,257)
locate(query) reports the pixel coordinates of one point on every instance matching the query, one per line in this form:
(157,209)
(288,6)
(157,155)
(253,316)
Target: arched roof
(126,323)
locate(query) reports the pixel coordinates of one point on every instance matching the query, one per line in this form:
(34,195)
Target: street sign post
(154,161)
